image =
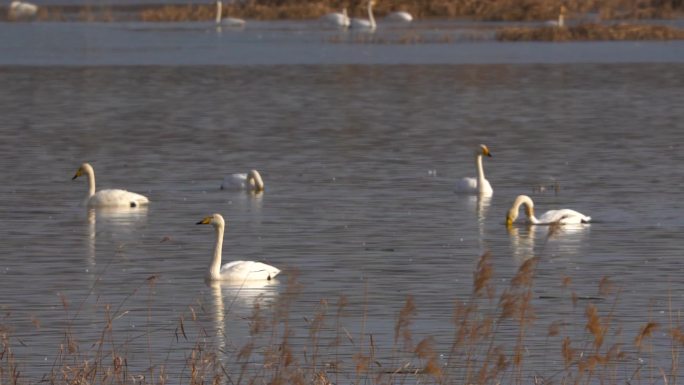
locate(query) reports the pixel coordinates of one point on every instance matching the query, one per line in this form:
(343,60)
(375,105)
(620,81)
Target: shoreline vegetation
(491,10)
(603,351)
(583,16)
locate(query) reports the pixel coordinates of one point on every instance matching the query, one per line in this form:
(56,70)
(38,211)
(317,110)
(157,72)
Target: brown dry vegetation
(587,32)
(502,10)
(473,356)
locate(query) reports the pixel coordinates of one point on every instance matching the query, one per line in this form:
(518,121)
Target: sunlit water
(359,164)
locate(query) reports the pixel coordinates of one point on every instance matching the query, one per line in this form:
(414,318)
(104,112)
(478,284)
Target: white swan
(477,185)
(236,270)
(250,181)
(107,198)
(563,216)
(227,21)
(561,19)
(338,19)
(399,16)
(21,10)
(369,24)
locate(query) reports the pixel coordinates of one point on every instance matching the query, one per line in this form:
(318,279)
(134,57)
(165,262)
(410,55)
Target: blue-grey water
(360,146)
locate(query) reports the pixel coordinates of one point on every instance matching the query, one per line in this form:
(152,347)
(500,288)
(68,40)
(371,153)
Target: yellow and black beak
(78,173)
(205,221)
(509,222)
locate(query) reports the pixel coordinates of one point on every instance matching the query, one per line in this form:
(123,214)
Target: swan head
(511,216)
(85,168)
(215,220)
(483,150)
(255,181)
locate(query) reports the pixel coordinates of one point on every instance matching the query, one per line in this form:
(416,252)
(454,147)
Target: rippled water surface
(360,162)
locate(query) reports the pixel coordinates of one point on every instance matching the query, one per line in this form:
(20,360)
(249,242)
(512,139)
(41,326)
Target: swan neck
(480,173)
(219,9)
(214,272)
(370,15)
(91,183)
(529,208)
(561,19)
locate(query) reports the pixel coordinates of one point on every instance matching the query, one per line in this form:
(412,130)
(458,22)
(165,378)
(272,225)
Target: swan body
(477,185)
(21,9)
(236,270)
(250,181)
(338,19)
(110,197)
(399,16)
(228,21)
(563,216)
(561,19)
(369,24)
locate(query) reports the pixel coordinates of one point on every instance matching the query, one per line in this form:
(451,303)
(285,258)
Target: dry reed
(474,356)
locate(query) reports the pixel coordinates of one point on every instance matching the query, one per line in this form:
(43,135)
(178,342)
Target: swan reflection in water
(237,301)
(551,240)
(117,221)
(480,204)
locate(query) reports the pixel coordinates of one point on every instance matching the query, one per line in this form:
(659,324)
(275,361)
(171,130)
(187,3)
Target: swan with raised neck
(235,270)
(109,197)
(477,185)
(363,23)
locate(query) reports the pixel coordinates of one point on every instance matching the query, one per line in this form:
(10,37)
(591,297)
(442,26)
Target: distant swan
(478,185)
(338,19)
(236,270)
(108,198)
(21,9)
(563,216)
(250,182)
(363,23)
(228,21)
(561,19)
(400,16)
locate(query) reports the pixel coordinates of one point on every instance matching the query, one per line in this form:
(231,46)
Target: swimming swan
(561,19)
(228,21)
(337,19)
(251,182)
(478,185)
(236,270)
(363,23)
(399,16)
(107,198)
(563,216)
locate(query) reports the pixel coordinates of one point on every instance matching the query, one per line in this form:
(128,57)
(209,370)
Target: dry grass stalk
(402,326)
(645,332)
(482,277)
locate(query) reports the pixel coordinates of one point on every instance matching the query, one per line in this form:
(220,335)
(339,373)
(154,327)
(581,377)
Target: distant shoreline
(292,10)
(575,30)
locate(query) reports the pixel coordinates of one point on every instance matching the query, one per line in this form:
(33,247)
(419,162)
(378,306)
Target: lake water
(360,146)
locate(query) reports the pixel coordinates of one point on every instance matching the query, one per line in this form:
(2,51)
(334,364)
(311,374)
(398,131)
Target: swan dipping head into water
(237,270)
(250,181)
(109,197)
(562,216)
